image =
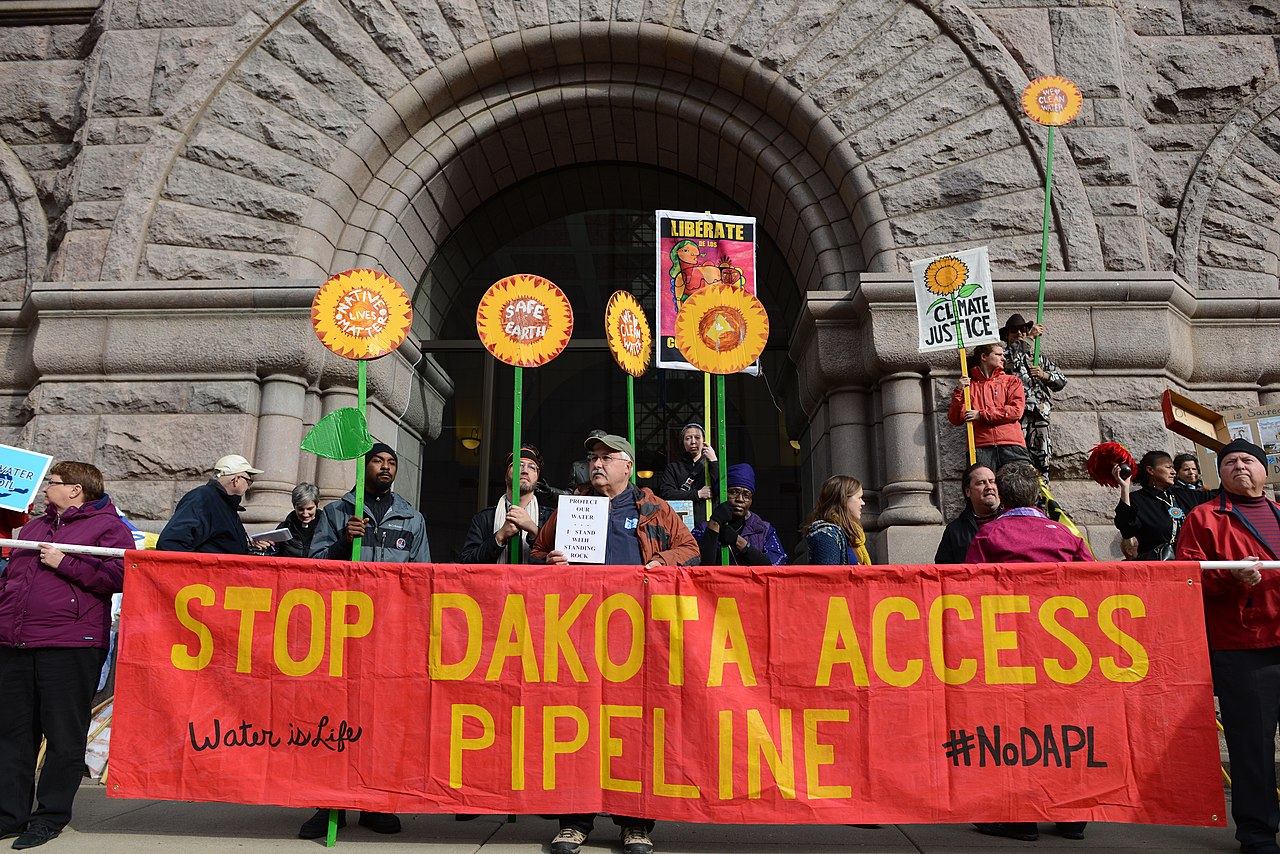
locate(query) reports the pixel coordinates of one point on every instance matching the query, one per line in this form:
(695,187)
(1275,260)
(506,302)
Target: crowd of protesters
(48,668)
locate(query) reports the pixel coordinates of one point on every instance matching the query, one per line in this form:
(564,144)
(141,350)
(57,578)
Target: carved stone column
(907,495)
(335,477)
(279,435)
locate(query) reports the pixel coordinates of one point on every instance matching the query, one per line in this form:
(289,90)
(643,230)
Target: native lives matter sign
(955,285)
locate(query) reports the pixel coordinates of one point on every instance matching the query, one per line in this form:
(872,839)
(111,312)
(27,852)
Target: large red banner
(737,695)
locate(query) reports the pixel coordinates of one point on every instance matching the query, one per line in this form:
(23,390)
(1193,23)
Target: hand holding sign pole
(1049,101)
(359,314)
(946,276)
(722,330)
(524,321)
(627,331)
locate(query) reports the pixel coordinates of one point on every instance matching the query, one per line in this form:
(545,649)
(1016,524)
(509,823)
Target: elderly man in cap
(1242,615)
(643,530)
(390,531)
(751,540)
(492,528)
(207,519)
(1038,381)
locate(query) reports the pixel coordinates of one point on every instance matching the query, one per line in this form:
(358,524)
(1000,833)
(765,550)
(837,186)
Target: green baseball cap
(612,442)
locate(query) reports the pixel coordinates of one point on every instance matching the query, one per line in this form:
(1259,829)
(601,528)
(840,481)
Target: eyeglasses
(49,483)
(246,477)
(738,492)
(602,458)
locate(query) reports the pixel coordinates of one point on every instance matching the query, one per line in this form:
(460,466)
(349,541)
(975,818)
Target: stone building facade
(176,178)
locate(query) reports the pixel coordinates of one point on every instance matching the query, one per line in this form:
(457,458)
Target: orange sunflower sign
(627,331)
(1052,101)
(361,314)
(722,329)
(524,320)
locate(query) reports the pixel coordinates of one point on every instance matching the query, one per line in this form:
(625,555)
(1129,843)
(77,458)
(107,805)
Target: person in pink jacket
(996,404)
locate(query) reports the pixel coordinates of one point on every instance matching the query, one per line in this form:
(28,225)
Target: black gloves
(722,514)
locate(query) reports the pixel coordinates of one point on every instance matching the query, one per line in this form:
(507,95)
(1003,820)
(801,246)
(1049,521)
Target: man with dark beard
(390,531)
(488,538)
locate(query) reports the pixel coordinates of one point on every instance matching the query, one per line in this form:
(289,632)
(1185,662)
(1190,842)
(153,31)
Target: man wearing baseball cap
(643,531)
(207,519)
(1242,615)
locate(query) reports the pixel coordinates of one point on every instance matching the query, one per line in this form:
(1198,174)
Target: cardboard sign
(790,695)
(1212,430)
(959,278)
(21,473)
(582,526)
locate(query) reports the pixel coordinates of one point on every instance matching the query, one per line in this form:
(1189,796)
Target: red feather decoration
(1103,458)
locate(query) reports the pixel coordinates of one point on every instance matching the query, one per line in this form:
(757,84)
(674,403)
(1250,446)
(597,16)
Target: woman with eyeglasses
(834,532)
(55,623)
(301,521)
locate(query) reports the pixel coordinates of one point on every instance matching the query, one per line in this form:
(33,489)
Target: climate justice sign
(715,694)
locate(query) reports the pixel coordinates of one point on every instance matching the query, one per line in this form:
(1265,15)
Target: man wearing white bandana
(489,537)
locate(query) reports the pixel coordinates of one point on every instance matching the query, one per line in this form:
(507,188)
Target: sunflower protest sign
(697,251)
(524,321)
(954,301)
(1051,102)
(627,331)
(358,314)
(722,329)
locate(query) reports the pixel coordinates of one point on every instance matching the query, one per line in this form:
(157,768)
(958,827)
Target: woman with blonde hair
(834,532)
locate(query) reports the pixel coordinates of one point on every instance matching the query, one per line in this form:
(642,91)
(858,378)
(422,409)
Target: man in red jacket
(1242,615)
(996,401)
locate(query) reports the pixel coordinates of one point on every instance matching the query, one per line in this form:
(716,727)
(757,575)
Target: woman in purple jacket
(55,619)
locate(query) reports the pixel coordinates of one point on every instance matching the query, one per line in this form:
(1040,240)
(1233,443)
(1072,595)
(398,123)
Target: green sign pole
(722,451)
(631,421)
(516,393)
(1044,240)
(362,402)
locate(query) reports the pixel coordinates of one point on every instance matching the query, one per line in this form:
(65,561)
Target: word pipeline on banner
(793,694)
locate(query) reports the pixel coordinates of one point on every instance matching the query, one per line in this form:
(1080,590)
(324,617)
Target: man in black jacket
(489,537)
(982,504)
(207,519)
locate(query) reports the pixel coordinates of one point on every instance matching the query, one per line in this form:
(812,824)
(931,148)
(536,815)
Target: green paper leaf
(341,435)
(969,289)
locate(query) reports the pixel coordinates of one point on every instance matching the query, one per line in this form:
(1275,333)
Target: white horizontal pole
(1239,564)
(101,552)
(96,551)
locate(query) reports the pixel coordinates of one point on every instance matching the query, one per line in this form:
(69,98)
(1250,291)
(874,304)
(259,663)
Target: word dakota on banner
(959,279)
(581,527)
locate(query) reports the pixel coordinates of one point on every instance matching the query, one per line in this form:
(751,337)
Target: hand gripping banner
(711,694)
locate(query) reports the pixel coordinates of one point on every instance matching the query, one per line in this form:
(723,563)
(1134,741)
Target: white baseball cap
(233,464)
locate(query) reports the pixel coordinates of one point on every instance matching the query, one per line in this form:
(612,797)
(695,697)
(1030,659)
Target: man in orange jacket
(996,402)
